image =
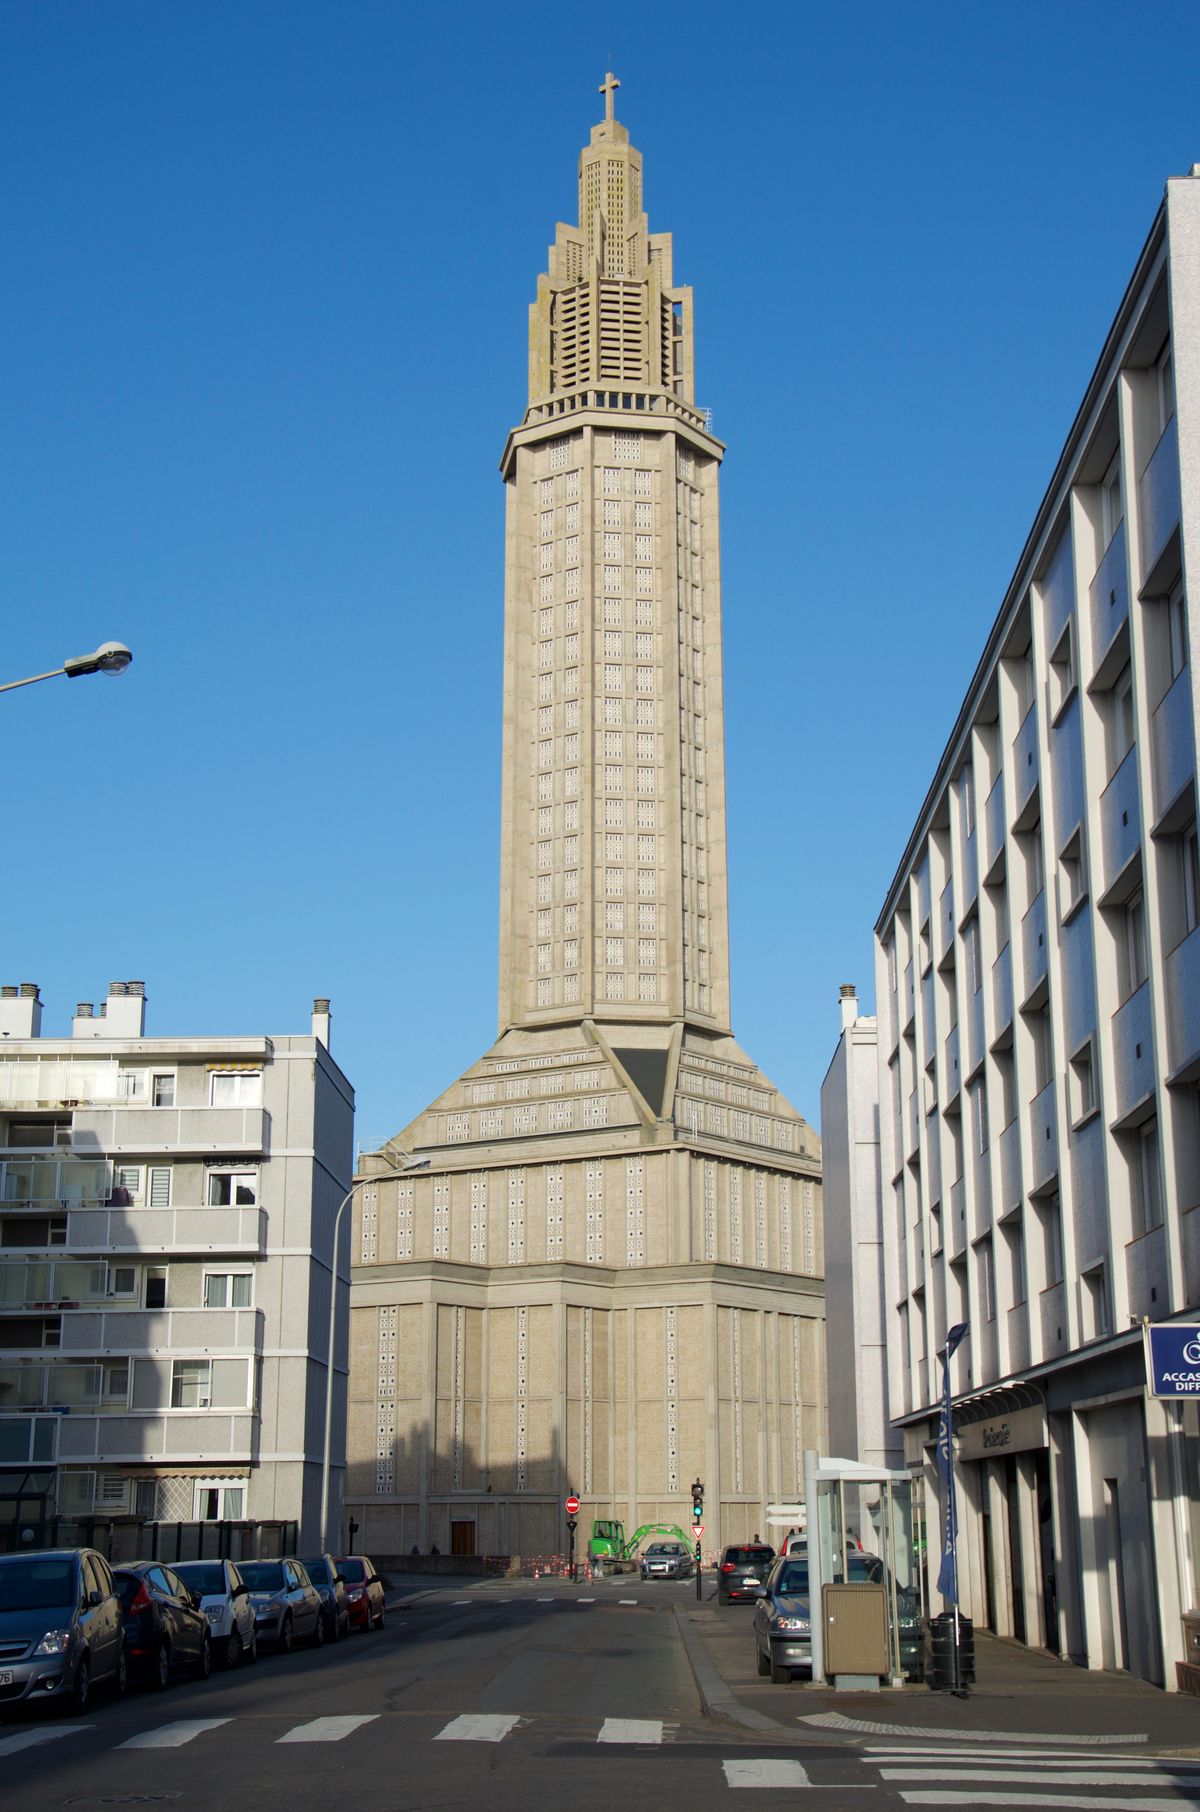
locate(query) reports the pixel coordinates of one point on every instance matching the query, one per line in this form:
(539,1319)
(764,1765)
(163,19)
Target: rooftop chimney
(849,1000)
(20,1011)
(125,1010)
(85,1023)
(320,1021)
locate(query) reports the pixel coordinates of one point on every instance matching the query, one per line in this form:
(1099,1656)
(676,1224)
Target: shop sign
(1173,1359)
(1019,1431)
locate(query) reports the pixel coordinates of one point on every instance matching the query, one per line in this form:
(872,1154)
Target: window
(968,801)
(156,1287)
(1177,638)
(1083,1083)
(1189,862)
(158,1193)
(131,1085)
(228,1289)
(1072,875)
(1043,1048)
(122,1280)
(986,1278)
(145,1499)
(191,1383)
(1121,724)
(1164,374)
(218,1502)
(114,1383)
(1049,1213)
(232,1188)
(236,1088)
(1146,1178)
(974,963)
(127,1185)
(162,1089)
(1094,1303)
(1131,946)
(1111,508)
(1062,676)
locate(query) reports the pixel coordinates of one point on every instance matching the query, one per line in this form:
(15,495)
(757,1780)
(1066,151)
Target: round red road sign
(572,1506)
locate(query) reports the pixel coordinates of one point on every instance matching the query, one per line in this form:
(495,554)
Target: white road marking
(585,1601)
(326,1730)
(626,1600)
(462,1601)
(631,1730)
(768,1774)
(29,1739)
(173,1736)
(1055,1758)
(1070,1777)
(545,1601)
(836,1720)
(480,1727)
(1088,1802)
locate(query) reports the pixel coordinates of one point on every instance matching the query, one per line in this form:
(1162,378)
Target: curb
(715,1697)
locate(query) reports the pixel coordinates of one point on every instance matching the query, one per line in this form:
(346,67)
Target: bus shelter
(854,1507)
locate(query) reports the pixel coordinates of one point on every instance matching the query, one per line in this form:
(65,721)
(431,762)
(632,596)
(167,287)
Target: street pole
(699,1564)
(571,1527)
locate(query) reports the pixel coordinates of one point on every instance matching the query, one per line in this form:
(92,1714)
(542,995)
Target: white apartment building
(1038,988)
(860,1426)
(166,1217)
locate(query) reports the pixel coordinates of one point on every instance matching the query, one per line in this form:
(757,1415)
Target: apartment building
(166,1217)
(1038,989)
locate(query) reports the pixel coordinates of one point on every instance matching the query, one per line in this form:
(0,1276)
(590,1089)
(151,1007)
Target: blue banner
(1173,1359)
(947,1579)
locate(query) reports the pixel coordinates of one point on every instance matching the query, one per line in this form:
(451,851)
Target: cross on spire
(608,88)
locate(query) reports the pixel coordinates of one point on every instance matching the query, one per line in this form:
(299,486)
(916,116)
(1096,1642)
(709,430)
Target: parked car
(61,1631)
(165,1629)
(324,1573)
(225,1601)
(783,1615)
(666,1560)
(364,1592)
(742,1570)
(287,1606)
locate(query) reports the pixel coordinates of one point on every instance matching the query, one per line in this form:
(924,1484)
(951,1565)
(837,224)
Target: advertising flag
(947,1580)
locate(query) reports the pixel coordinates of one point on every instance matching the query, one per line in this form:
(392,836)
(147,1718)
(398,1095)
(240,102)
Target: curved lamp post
(110,657)
(397,1170)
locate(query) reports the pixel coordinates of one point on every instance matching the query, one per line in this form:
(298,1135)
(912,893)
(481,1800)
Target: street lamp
(110,657)
(397,1170)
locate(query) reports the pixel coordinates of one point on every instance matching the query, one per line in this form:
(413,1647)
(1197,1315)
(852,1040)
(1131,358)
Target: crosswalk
(1006,1774)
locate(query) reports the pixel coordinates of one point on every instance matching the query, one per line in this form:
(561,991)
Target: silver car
(225,1600)
(287,1605)
(61,1627)
(666,1560)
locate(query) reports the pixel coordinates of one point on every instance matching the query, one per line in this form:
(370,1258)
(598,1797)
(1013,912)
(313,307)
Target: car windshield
(352,1571)
(792,1577)
(204,1576)
(663,1547)
(36,1585)
(318,1571)
(262,1575)
(750,1557)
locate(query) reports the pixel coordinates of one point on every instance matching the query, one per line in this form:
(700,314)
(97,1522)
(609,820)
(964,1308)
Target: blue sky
(267,271)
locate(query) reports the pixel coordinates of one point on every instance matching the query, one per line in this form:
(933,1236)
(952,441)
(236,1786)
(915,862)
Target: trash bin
(941,1631)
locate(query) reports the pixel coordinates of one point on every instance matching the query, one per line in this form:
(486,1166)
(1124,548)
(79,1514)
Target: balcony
(989,1356)
(1018,1337)
(924,890)
(204,1232)
(55,1385)
(54,1182)
(1173,743)
(1058,590)
(969,875)
(1052,1308)
(215,1437)
(908,1004)
(956,1228)
(1024,763)
(975,1047)
(933,1167)
(993,828)
(196,1332)
(944,930)
(1010,1166)
(1183,1003)
(1109,595)
(1158,499)
(1043,1139)
(1146,1272)
(951,1073)
(46,1283)
(232,1131)
(1133,1052)
(913,1122)
(1033,946)
(1120,821)
(1002,991)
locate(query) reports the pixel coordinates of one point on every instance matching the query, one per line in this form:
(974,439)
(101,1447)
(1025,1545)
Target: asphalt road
(488,1697)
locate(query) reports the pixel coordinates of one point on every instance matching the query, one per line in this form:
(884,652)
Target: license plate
(749,1580)
(7,1677)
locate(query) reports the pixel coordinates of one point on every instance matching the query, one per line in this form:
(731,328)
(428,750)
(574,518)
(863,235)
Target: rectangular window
(158,1195)
(131,1085)
(155,1293)
(1072,875)
(1146,1178)
(986,1278)
(162,1088)
(232,1188)
(1112,510)
(1121,724)
(1083,1083)
(611,481)
(1177,637)
(1132,946)
(236,1088)
(228,1289)
(1165,384)
(1094,1303)
(191,1383)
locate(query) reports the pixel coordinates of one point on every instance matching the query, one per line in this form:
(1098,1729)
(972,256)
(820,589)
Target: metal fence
(127,1538)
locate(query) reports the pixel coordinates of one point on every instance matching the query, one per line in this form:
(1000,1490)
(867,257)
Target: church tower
(594,1263)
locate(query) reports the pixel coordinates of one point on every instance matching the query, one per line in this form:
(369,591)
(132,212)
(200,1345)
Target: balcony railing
(944,935)
(951,1068)
(55,1182)
(193,1331)
(1033,946)
(1120,819)
(1018,1337)
(206,1232)
(229,1130)
(1146,1273)
(45,1284)
(1052,1309)
(1133,1051)
(1109,597)
(993,827)
(1010,1166)
(1043,1138)
(1183,1002)
(1002,992)
(1173,742)
(1158,498)
(1024,762)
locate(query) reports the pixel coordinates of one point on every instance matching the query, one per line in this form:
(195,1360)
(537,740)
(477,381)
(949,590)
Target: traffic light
(697,1502)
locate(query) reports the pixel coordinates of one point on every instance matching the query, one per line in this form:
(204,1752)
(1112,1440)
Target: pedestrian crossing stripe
(173,1736)
(33,1739)
(1032,1802)
(327,1730)
(631,1730)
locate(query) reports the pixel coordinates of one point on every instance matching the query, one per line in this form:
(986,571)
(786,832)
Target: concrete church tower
(599,1267)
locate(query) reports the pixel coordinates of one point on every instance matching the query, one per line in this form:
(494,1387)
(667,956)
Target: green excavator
(609,1552)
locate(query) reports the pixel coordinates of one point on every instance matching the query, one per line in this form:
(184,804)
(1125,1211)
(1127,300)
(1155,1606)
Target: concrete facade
(602,1270)
(166,1213)
(1038,981)
(860,1426)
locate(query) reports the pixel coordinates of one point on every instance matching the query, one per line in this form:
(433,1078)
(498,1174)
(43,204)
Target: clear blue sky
(267,268)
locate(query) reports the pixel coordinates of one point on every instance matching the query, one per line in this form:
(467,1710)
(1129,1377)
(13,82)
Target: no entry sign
(572,1506)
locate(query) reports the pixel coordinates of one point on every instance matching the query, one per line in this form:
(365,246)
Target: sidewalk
(1019,1692)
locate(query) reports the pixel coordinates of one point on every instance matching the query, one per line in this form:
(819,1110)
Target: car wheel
(764,1665)
(204,1664)
(378,1620)
(335,1628)
(318,1635)
(121,1677)
(82,1687)
(780,1676)
(252,1651)
(233,1649)
(161,1677)
(285,1635)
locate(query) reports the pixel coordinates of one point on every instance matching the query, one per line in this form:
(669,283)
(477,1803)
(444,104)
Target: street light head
(110,657)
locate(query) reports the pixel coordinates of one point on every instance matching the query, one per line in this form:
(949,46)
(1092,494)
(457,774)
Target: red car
(364,1592)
